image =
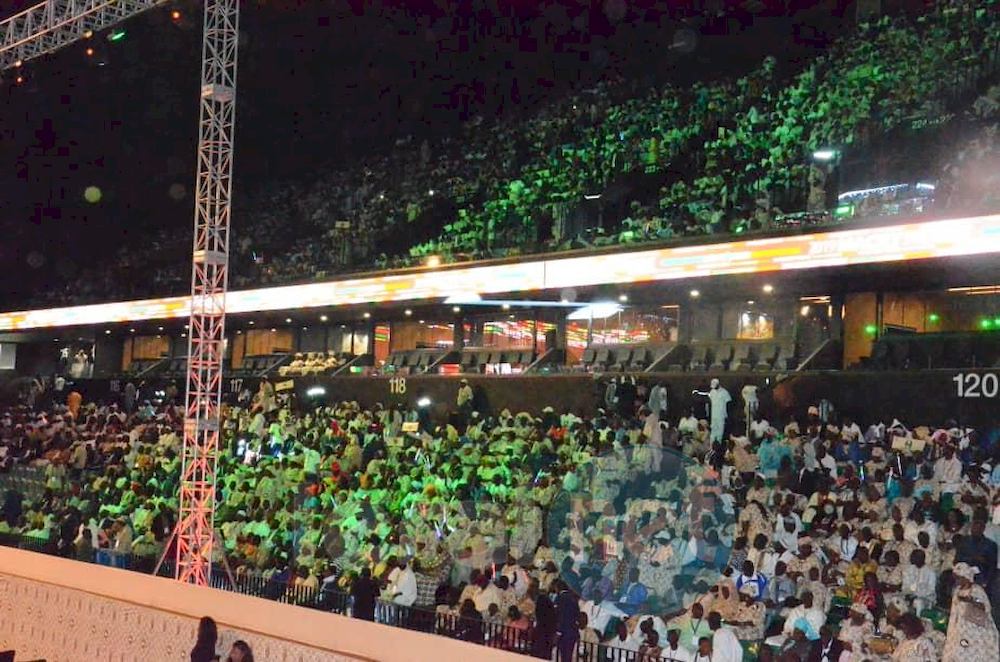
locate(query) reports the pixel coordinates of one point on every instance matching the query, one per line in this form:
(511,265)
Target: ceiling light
(159,328)
(456,309)
(623,298)
(131,330)
(695,294)
(107,332)
(250,322)
(768,289)
(288,320)
(367,315)
(407,312)
(323,318)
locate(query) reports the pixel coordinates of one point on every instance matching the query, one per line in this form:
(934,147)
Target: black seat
(743,357)
(622,359)
(602,359)
(767,357)
(723,358)
(701,358)
(640,358)
(899,353)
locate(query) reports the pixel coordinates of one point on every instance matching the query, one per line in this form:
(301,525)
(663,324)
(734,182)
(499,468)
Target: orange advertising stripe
(397,285)
(781,251)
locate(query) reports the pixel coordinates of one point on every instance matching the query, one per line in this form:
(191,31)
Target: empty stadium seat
(701,358)
(723,357)
(767,357)
(640,359)
(743,357)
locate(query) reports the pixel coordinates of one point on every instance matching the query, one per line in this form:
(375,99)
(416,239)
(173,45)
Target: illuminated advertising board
(915,241)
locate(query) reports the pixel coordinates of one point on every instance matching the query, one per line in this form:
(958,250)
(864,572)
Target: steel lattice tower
(53,24)
(209,280)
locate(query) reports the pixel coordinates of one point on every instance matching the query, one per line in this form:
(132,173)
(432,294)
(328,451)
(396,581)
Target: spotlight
(159,328)
(424,402)
(89,51)
(805,311)
(131,330)
(316,391)
(107,332)
(768,289)
(176,15)
(88,34)
(623,298)
(456,309)
(18,63)
(367,315)
(407,312)
(506,306)
(288,320)
(695,294)
(824,155)
(250,322)
(323,318)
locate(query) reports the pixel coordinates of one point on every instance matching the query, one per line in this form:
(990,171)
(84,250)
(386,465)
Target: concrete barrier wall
(66,611)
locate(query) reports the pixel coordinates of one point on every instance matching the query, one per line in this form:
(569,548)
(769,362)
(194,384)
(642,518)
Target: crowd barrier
(422,619)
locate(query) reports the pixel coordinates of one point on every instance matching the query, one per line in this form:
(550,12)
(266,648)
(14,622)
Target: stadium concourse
(627,534)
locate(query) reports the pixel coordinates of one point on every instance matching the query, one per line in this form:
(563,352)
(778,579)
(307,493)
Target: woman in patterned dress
(917,647)
(972,634)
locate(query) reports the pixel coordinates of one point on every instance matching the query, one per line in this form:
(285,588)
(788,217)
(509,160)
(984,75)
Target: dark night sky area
(320,85)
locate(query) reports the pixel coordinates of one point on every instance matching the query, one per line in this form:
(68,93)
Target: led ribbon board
(915,241)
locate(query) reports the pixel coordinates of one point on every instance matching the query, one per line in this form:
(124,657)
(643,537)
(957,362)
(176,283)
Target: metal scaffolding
(209,280)
(50,25)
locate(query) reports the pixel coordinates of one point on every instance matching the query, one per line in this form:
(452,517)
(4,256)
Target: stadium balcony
(602,168)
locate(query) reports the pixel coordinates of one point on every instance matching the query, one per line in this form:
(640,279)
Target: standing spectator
(725,646)
(364,592)
(972,634)
(568,623)
(208,636)
(403,585)
(129,397)
(545,627)
(977,550)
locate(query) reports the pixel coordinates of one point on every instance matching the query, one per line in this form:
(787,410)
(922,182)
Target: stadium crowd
(631,528)
(515,185)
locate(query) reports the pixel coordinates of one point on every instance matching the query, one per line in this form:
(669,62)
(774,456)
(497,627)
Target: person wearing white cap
(856,631)
(972,633)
